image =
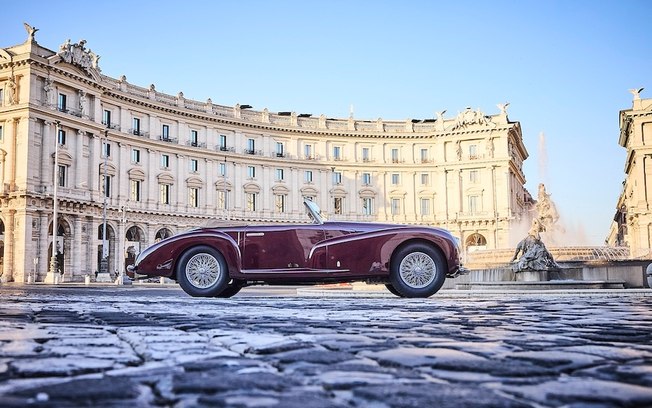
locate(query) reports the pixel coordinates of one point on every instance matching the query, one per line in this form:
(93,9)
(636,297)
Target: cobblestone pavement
(118,347)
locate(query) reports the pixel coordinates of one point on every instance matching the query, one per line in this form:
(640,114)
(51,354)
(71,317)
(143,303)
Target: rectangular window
(425,179)
(222,199)
(280,149)
(2,134)
(396,179)
(106,118)
(337,177)
(473,152)
(424,156)
(366,155)
(223,143)
(366,179)
(251,199)
(367,206)
(62,103)
(223,169)
(193,197)
(194,166)
(425,206)
(280,203)
(251,172)
(251,146)
(2,97)
(307,152)
(337,205)
(337,153)
(396,206)
(473,204)
(193,138)
(474,176)
(135,156)
(279,175)
(134,190)
(106,149)
(307,176)
(164,190)
(106,186)
(394,155)
(165,161)
(62,137)
(62,175)
(136,126)
(166,132)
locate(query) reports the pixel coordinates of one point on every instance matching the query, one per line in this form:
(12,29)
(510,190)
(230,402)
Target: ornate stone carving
(77,54)
(471,117)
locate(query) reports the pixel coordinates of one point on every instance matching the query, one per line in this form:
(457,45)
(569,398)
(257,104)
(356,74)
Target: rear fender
(371,252)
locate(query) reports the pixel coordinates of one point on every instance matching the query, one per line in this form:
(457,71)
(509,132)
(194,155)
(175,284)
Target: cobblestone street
(141,346)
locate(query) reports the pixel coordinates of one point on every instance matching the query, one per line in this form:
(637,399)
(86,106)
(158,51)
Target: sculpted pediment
(471,117)
(80,57)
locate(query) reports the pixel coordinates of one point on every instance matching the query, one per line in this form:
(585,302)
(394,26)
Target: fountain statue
(534,255)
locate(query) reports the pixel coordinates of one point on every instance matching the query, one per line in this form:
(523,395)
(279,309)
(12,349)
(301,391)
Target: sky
(565,68)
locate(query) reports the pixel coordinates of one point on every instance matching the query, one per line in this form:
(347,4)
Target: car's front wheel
(417,270)
(231,290)
(202,271)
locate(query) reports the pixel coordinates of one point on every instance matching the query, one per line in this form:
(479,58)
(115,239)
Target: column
(77,248)
(43,240)
(8,267)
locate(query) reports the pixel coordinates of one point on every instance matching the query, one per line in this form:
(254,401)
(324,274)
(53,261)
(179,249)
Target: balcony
(109,125)
(225,149)
(138,132)
(280,154)
(253,152)
(167,139)
(195,144)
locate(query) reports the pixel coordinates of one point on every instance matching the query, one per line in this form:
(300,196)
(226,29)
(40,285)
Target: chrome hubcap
(417,270)
(203,271)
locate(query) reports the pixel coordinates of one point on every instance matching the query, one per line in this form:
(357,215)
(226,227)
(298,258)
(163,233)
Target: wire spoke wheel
(203,270)
(417,270)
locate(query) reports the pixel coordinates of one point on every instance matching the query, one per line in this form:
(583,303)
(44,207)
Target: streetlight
(54,277)
(226,210)
(104,264)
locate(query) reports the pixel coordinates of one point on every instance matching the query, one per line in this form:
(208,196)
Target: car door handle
(255,234)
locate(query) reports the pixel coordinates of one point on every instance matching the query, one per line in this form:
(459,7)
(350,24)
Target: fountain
(560,267)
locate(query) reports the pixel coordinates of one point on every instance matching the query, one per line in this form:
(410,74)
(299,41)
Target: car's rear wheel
(202,271)
(417,270)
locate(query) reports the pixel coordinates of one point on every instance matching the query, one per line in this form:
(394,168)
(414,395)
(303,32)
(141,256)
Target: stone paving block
(585,390)
(414,357)
(433,395)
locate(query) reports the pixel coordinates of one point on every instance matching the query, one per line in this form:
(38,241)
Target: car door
(279,247)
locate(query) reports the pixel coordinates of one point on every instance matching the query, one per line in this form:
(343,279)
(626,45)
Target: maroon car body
(219,260)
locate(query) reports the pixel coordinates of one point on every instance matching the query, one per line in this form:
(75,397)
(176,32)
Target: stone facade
(632,225)
(150,165)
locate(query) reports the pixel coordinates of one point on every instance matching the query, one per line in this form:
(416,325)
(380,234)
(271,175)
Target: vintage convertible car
(217,261)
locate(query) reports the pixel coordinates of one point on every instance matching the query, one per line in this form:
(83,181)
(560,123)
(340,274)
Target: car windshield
(314,212)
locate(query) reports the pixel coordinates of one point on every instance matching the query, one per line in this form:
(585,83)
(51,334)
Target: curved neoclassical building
(148,165)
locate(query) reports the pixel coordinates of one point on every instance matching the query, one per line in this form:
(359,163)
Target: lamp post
(53,276)
(226,210)
(104,265)
(103,275)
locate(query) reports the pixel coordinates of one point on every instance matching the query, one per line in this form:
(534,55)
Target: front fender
(161,258)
